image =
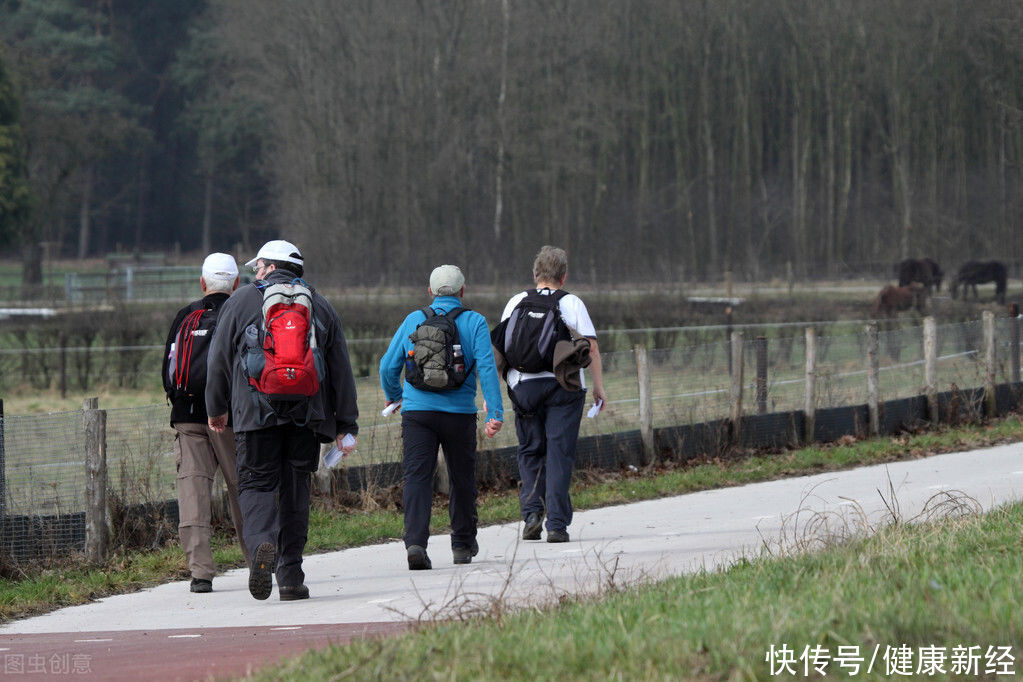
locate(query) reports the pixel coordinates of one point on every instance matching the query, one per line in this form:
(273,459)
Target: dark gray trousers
(274,471)
(422,432)
(547,423)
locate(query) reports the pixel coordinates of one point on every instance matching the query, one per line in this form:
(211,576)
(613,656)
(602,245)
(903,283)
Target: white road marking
(105,639)
(182,636)
(293,627)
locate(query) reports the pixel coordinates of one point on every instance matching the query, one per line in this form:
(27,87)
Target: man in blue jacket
(444,417)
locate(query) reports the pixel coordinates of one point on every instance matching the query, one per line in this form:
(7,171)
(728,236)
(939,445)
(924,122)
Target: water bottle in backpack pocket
(254,358)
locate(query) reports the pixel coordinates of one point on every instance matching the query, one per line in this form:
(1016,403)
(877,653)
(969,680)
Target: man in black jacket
(198,450)
(278,449)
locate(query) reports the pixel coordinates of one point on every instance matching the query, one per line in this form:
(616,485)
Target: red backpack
(287,366)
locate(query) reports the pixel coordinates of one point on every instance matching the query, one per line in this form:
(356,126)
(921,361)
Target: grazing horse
(891,299)
(973,272)
(923,270)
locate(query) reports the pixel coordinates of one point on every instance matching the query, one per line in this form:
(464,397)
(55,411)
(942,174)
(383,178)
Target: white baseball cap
(219,266)
(446,280)
(278,250)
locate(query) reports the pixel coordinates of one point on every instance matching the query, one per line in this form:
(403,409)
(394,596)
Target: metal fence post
(810,404)
(873,370)
(97,535)
(646,405)
(736,392)
(761,348)
(989,364)
(931,368)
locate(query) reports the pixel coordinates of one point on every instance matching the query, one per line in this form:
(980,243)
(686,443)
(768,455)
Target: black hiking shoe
(532,526)
(464,554)
(557,536)
(261,574)
(417,559)
(201,585)
(293,592)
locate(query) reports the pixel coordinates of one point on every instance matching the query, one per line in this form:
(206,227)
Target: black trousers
(422,432)
(275,467)
(547,423)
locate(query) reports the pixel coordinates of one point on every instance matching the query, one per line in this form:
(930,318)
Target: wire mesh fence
(42,457)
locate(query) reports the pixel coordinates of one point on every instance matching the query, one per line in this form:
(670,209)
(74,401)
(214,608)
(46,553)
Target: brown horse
(892,299)
(923,270)
(972,273)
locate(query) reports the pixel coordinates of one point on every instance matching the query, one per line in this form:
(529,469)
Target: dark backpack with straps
(528,336)
(436,362)
(186,369)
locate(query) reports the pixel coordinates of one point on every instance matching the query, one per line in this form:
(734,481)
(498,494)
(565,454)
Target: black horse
(972,273)
(923,270)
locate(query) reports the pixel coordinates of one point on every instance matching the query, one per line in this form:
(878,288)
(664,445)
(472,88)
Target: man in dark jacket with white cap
(198,450)
(278,448)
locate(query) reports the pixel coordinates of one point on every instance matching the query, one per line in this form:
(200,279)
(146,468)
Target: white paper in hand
(595,410)
(389,410)
(334,455)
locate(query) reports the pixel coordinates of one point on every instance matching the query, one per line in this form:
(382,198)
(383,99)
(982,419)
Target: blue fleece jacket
(474,334)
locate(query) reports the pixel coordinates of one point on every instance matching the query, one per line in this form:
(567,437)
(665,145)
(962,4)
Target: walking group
(259,377)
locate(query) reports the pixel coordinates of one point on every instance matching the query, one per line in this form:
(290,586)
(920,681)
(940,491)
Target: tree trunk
(499,173)
(207,215)
(84,213)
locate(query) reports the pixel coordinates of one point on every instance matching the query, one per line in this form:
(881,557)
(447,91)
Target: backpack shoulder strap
(455,312)
(428,311)
(552,299)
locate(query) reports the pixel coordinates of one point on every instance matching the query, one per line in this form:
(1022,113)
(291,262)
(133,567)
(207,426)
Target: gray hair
(219,284)
(550,265)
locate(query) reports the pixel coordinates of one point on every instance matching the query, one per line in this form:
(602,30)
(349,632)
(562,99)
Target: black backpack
(528,336)
(436,362)
(186,369)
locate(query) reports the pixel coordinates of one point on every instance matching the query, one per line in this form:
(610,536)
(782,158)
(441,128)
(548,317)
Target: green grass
(31,590)
(939,586)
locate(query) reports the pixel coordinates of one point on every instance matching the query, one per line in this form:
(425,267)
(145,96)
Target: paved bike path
(369,590)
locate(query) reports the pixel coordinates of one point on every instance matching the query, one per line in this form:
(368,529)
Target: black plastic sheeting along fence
(36,536)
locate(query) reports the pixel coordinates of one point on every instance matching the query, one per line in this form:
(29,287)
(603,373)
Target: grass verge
(908,589)
(27,591)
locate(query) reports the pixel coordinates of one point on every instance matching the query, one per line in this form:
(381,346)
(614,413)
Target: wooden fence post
(3,472)
(441,481)
(810,404)
(1014,341)
(873,370)
(736,392)
(931,368)
(97,535)
(646,405)
(761,349)
(989,363)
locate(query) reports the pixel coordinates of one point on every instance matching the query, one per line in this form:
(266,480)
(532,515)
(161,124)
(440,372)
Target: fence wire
(44,474)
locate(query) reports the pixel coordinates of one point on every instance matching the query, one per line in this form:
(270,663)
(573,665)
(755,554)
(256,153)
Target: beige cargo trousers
(199,452)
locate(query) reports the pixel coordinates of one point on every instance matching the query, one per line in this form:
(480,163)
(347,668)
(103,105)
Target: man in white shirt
(547,415)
